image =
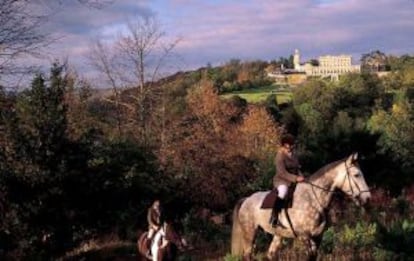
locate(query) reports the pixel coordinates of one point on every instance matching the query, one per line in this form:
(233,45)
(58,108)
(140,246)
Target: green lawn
(260,94)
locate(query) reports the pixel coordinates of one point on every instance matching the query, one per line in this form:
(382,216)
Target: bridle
(172,236)
(348,177)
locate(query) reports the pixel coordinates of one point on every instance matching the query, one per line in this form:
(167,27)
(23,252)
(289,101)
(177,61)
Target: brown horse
(169,252)
(306,219)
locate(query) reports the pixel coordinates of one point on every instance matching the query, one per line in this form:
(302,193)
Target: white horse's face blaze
(352,181)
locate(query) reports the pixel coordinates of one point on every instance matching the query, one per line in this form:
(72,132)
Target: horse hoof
(271,256)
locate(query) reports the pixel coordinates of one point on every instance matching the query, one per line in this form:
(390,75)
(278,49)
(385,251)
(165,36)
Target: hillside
(79,174)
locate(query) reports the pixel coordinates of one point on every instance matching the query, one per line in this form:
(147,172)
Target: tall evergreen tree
(35,160)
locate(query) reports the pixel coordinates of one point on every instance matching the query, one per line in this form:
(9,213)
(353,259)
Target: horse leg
(248,241)
(143,246)
(274,247)
(313,245)
(158,256)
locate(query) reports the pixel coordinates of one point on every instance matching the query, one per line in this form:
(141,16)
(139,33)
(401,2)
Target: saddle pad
(269,200)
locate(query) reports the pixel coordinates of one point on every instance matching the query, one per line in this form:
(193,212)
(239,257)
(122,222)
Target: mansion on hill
(327,66)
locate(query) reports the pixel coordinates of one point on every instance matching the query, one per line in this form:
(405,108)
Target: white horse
(306,219)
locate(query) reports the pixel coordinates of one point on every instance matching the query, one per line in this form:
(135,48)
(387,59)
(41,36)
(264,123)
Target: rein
(319,187)
(348,177)
(356,184)
(349,193)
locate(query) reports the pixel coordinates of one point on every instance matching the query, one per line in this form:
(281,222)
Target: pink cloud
(215,31)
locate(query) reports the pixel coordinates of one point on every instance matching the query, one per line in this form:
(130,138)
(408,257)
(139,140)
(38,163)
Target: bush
(363,235)
(328,241)
(230,257)
(399,238)
(202,232)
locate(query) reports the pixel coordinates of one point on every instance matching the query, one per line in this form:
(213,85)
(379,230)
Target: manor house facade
(327,66)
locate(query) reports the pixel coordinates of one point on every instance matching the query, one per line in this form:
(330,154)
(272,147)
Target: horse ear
(352,158)
(355,156)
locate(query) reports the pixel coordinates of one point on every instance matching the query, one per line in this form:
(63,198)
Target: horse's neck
(319,191)
(159,235)
(163,230)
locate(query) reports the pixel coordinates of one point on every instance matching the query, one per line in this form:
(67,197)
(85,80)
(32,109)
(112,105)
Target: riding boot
(149,245)
(149,241)
(279,205)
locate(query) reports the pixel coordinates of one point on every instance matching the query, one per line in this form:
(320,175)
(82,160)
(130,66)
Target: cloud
(268,29)
(77,26)
(218,30)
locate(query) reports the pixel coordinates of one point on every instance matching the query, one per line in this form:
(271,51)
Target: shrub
(399,238)
(201,231)
(328,241)
(230,257)
(363,235)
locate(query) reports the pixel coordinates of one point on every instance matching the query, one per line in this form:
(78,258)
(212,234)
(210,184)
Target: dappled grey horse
(306,218)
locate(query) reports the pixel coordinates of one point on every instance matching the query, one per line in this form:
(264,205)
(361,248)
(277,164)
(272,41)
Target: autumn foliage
(217,146)
(72,169)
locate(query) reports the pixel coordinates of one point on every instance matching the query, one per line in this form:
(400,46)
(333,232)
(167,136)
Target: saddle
(270,199)
(157,238)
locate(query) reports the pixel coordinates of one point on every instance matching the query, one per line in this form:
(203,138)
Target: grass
(110,250)
(260,94)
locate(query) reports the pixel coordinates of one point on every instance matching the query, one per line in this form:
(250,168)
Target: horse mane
(325,169)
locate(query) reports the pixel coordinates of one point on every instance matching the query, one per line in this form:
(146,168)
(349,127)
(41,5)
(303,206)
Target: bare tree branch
(20,34)
(140,54)
(101,59)
(96,3)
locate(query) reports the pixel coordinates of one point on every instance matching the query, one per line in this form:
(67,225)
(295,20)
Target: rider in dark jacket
(287,172)
(154,218)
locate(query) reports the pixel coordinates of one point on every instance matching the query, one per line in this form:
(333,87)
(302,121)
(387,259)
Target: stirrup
(279,224)
(272,222)
(276,223)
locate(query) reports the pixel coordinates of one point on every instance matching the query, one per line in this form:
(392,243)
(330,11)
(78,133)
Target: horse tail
(237,232)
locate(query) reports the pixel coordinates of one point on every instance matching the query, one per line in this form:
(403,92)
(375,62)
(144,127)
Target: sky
(214,31)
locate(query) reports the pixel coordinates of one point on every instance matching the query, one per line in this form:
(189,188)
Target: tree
(318,95)
(78,98)
(287,63)
(374,61)
(358,93)
(395,127)
(96,3)
(35,158)
(21,32)
(333,116)
(102,59)
(395,143)
(139,56)
(37,128)
(218,146)
(60,183)
(402,74)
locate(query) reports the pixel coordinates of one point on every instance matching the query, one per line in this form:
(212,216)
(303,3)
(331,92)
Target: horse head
(351,181)
(174,237)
